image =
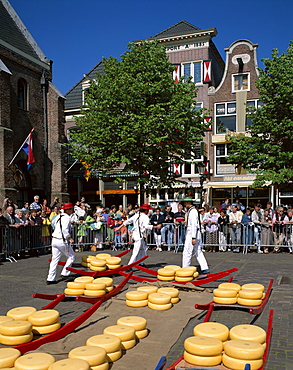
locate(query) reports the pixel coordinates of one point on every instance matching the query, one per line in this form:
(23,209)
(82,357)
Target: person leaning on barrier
(235,218)
(61,243)
(10,217)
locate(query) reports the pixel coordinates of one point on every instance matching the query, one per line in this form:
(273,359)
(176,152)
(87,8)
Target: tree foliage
(136,115)
(267,152)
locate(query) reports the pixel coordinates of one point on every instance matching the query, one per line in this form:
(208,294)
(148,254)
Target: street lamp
(202,177)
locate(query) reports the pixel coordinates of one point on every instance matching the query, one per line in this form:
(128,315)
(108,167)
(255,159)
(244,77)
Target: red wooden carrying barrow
(72,325)
(181,364)
(255,310)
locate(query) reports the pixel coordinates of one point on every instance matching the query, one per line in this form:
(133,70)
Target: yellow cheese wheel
(95,286)
(248,332)
(249,302)
(44,317)
(106,280)
(225,293)
(14,340)
(94,355)
(165,278)
(114,356)
(202,360)
(140,334)
(183,279)
(148,288)
(73,291)
(109,289)
(110,343)
(253,286)
(85,264)
(185,272)
(159,298)
(96,268)
(128,344)
(172,267)
(234,286)
(103,366)
(98,263)
(192,268)
(84,279)
(142,303)
(5,319)
(236,364)
(87,258)
(263,296)
(94,293)
(264,345)
(113,267)
(160,307)
(103,256)
(34,361)
(136,295)
(75,285)
(166,272)
(21,313)
(70,364)
(15,328)
(113,261)
(46,329)
(225,300)
(203,346)
(212,330)
(124,332)
(8,356)
(174,300)
(244,349)
(173,292)
(136,322)
(195,274)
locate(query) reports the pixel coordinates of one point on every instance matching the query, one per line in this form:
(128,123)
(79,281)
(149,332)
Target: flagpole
(71,166)
(20,147)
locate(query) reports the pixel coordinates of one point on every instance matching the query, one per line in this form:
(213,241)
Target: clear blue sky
(76,34)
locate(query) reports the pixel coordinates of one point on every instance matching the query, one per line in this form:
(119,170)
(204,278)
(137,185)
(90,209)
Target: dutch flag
(28,148)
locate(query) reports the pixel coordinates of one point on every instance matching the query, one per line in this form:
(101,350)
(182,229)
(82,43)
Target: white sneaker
(159,249)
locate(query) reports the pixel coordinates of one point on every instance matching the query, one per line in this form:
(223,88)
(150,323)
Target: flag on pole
(28,148)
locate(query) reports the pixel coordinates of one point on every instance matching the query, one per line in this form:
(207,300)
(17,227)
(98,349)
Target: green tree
(267,150)
(135,115)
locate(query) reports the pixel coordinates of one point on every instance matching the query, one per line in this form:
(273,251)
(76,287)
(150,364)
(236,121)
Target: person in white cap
(192,245)
(61,243)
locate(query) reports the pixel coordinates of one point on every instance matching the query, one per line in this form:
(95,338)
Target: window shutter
(207,71)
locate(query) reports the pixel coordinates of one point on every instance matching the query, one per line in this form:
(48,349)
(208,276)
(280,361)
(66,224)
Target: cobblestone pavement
(19,280)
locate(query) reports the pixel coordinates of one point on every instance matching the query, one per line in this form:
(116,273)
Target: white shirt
(192,224)
(141,223)
(65,226)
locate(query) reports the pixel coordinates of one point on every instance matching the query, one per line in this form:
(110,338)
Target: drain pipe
(44,85)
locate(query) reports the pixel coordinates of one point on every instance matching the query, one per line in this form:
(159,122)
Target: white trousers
(139,250)
(59,248)
(193,250)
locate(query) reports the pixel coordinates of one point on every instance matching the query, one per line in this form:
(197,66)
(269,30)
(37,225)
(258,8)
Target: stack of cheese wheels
(107,281)
(95,289)
(21,313)
(85,262)
(226,293)
(45,321)
(110,343)
(166,274)
(8,356)
(137,323)
(137,298)
(203,351)
(95,356)
(77,286)
(15,332)
(251,294)
(148,288)
(186,274)
(97,264)
(34,361)
(238,353)
(103,256)
(72,364)
(159,301)
(173,292)
(249,332)
(125,333)
(113,263)
(212,330)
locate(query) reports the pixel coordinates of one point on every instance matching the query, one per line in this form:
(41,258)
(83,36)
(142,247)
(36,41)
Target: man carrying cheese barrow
(61,243)
(141,225)
(192,245)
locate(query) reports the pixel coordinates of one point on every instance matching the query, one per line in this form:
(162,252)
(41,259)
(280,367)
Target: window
(22,94)
(222,166)
(251,104)
(225,117)
(241,82)
(194,70)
